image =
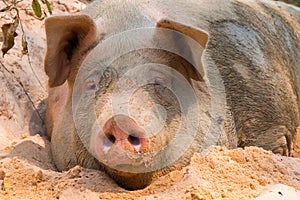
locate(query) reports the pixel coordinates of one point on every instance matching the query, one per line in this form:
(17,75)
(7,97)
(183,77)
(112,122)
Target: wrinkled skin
(254,46)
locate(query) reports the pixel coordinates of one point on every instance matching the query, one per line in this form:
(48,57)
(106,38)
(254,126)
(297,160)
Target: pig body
(246,83)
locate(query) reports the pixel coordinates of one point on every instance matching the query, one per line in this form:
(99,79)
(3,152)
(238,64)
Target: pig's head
(138,96)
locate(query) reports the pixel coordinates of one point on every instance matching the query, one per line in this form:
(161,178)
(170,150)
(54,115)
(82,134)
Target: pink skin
(121,132)
(57,101)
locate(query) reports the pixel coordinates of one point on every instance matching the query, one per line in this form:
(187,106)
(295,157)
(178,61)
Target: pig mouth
(121,160)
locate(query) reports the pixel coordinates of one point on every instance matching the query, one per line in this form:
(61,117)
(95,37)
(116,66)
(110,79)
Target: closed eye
(159,82)
(91,87)
(156,84)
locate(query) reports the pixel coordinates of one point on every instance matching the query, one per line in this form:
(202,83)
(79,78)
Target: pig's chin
(130,181)
(130,171)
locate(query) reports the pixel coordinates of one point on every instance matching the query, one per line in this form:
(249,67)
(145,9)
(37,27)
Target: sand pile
(26,172)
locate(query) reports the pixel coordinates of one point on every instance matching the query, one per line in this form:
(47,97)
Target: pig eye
(91,87)
(163,90)
(159,84)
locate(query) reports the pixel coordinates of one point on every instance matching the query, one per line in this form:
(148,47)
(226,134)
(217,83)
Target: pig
(137,87)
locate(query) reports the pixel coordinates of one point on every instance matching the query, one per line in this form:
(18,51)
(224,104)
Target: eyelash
(158,81)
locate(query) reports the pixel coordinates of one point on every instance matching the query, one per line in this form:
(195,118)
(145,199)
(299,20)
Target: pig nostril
(111,138)
(134,140)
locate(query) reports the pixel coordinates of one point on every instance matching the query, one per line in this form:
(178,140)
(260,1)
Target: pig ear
(68,37)
(196,33)
(200,36)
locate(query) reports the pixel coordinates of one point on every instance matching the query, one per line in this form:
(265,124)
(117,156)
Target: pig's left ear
(196,33)
(68,37)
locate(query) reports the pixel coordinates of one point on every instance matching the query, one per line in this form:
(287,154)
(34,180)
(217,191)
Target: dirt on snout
(27,170)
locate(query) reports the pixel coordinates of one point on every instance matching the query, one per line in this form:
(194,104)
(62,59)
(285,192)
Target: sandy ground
(27,171)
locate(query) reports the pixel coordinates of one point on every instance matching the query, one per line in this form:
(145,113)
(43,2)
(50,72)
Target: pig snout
(123,132)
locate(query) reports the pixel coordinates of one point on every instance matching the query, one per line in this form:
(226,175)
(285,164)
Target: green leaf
(48,6)
(36,8)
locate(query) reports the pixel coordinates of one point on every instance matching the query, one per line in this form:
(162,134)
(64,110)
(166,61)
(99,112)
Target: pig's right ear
(68,37)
